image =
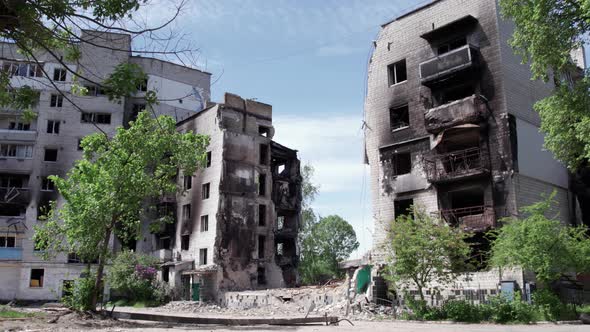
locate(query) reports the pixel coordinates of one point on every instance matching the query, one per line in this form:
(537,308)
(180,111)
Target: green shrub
(504,311)
(133,276)
(80,293)
(422,311)
(463,311)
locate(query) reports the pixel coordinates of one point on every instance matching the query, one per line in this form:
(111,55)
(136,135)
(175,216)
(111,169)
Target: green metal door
(196,291)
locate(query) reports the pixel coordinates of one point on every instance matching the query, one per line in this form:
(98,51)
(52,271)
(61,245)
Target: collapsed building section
(450,127)
(236,219)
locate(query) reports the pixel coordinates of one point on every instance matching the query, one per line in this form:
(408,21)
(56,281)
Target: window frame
(395,163)
(392,72)
(41,279)
(53,127)
(56,101)
(204,226)
(206,191)
(45,155)
(61,73)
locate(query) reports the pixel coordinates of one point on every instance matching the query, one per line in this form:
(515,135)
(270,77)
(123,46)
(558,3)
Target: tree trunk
(420,292)
(100,270)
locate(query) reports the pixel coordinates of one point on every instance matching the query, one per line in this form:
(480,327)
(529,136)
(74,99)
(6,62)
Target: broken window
(37,276)
(403,207)
(452,45)
(280,222)
(186,212)
(261,240)
(9,181)
(399,117)
(261,215)
(7,241)
(101,118)
(185,242)
(164,242)
(59,74)
(480,249)
(402,163)
(188,182)
(137,108)
(261,184)
(19,126)
(261,276)
(56,101)
(205,223)
(397,72)
(263,131)
(53,126)
(454,92)
(74,258)
(142,86)
(280,249)
(50,155)
(263,154)
(203,256)
(208,160)
(205,191)
(47,184)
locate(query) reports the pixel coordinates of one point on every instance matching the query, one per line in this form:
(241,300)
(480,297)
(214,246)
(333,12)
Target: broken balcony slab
(467,110)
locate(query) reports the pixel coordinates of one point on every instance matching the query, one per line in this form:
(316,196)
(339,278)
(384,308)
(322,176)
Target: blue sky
(308,59)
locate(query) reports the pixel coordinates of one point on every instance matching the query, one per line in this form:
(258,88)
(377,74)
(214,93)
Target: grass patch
(6,312)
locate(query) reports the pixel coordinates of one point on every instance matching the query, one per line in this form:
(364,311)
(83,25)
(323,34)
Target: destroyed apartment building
(232,231)
(450,127)
(237,219)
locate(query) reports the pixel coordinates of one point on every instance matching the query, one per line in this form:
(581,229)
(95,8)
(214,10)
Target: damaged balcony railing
(444,65)
(462,163)
(474,218)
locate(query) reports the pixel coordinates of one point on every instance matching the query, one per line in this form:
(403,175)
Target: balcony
(472,219)
(11,254)
(456,165)
(286,232)
(463,111)
(462,60)
(18,135)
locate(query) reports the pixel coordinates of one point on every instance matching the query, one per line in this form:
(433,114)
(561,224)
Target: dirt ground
(79,322)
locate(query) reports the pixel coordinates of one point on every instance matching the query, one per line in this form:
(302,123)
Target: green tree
(424,250)
(104,192)
(309,191)
(330,241)
(546,31)
(133,276)
(541,244)
(51,29)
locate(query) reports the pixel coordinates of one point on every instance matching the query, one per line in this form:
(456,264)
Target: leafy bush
(422,311)
(134,276)
(80,293)
(463,311)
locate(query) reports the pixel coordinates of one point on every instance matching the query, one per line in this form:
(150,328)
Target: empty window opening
(56,101)
(454,93)
(59,74)
(188,182)
(263,131)
(208,159)
(403,207)
(202,256)
(262,184)
(53,126)
(205,190)
(10,181)
(47,184)
(402,163)
(185,242)
(186,212)
(261,240)
(261,215)
(281,168)
(480,248)
(399,117)
(50,155)
(164,242)
(19,126)
(73,258)
(280,249)
(165,273)
(7,241)
(397,72)
(452,45)
(101,118)
(466,198)
(142,86)
(37,276)
(205,223)
(280,222)
(137,108)
(263,154)
(261,276)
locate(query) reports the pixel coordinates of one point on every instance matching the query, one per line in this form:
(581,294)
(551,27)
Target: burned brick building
(237,218)
(450,125)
